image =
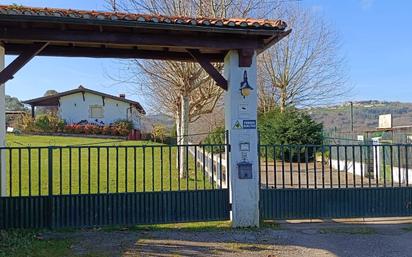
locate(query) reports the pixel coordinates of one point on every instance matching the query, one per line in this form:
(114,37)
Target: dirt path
(295,240)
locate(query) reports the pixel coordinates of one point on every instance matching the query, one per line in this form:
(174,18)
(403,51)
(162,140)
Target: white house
(83,105)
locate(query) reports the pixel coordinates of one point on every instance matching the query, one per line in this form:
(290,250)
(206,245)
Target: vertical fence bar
(178,167)
(384,165)
(274,166)
(337,156)
(266,167)
(61,170)
(170,168)
(406,165)
(346,165)
(153,169)
(291,164)
(330,167)
(117,169)
(220,166)
(19,162)
(29,166)
(89,178)
(144,167)
(213,167)
(307,166)
(376,165)
(40,173)
(204,167)
(282,155)
(314,167)
(107,170)
(323,166)
(70,170)
(161,168)
(187,166)
(361,164)
(98,169)
(195,167)
(391,162)
(400,166)
(126,169)
(369,152)
(135,168)
(50,186)
(11,171)
(353,166)
(80,169)
(298,160)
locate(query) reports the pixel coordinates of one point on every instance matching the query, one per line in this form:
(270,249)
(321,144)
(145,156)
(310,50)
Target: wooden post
(32,111)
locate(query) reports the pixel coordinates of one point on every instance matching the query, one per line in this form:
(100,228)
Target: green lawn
(95,165)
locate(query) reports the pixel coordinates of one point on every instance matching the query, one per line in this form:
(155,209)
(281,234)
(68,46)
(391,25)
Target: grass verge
(22,243)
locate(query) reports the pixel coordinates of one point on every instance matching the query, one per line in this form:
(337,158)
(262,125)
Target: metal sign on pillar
(240,120)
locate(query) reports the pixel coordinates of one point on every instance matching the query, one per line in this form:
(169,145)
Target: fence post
(240,120)
(50,185)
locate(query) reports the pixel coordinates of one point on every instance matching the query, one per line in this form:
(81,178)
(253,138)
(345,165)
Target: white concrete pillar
(240,120)
(2,127)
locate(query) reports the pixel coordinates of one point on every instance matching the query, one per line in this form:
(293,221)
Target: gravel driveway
(289,240)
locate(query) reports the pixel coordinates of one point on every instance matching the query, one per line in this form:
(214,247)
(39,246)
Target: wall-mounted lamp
(244,86)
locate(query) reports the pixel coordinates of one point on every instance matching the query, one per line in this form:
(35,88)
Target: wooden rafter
(20,61)
(208,67)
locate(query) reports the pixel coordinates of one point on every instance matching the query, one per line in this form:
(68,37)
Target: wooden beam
(224,42)
(104,52)
(246,57)
(209,68)
(20,61)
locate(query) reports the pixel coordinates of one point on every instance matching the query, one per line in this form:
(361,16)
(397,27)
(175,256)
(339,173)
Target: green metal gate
(335,181)
(88,186)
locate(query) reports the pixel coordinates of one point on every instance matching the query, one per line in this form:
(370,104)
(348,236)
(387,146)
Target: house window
(96,111)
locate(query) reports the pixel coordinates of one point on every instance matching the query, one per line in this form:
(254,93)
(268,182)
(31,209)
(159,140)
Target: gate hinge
(230,207)
(229,148)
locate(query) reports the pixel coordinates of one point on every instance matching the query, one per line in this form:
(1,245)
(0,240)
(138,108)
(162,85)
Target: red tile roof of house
(16,10)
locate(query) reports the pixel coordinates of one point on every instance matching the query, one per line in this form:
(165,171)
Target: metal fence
(68,170)
(335,166)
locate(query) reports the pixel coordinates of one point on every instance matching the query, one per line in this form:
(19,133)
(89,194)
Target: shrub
(26,123)
(158,132)
(292,127)
(216,137)
(42,123)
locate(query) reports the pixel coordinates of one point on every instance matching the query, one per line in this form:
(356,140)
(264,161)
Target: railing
(71,170)
(335,166)
(213,161)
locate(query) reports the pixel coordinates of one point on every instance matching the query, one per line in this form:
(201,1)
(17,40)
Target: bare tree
(305,68)
(184,89)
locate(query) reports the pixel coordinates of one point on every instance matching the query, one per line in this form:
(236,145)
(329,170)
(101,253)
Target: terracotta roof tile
(114,16)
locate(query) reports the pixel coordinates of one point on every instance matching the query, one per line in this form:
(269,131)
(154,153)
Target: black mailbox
(245,170)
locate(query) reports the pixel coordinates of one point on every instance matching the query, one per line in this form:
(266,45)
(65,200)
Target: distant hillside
(366,114)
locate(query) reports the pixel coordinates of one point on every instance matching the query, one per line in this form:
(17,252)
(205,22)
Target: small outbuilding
(83,105)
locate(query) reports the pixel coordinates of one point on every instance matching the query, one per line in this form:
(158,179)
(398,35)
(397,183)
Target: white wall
(73,109)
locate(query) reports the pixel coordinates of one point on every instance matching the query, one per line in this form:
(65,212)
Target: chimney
(122,96)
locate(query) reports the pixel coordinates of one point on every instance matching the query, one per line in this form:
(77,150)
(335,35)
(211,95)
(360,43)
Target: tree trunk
(184,125)
(283,96)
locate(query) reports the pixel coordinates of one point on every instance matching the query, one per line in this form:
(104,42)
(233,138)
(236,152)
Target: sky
(376,38)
